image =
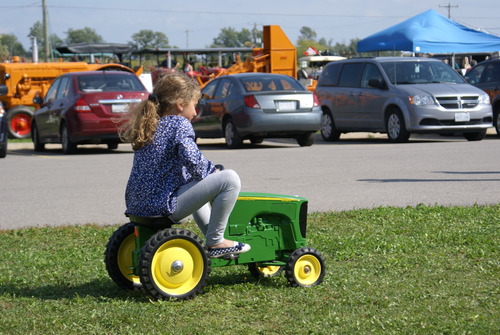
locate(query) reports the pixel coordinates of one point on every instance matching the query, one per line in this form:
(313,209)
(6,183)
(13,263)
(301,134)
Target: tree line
(228,37)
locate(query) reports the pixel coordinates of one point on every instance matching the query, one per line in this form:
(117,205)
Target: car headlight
(484,99)
(419,100)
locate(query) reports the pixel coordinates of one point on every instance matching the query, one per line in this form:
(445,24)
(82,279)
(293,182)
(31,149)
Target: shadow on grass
(102,289)
(105,289)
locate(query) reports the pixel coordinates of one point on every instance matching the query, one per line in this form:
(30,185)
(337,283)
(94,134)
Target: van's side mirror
(377,83)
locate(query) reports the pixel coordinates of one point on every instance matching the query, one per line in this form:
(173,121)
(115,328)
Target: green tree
(11,46)
(307,33)
(37,31)
(346,50)
(149,39)
(84,35)
(230,38)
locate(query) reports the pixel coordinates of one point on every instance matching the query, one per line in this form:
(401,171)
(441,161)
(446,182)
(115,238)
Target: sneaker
(238,248)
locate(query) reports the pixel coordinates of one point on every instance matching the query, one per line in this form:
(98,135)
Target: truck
(27,80)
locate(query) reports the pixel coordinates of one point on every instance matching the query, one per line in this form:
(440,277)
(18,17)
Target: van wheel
(396,128)
(328,130)
(475,136)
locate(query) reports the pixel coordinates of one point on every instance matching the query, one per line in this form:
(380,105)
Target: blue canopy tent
(430,32)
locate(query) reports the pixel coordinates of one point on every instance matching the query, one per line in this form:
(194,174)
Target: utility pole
(449,6)
(187,38)
(45,32)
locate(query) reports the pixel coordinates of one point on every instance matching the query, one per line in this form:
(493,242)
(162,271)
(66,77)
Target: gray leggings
(221,189)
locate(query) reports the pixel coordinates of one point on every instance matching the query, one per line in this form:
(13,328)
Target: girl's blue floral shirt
(161,167)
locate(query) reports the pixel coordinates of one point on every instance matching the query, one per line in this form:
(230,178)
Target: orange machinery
(27,80)
(277,56)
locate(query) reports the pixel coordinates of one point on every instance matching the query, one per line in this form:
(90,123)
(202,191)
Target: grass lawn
(414,270)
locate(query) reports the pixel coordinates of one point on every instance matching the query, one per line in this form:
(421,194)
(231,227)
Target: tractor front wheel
(305,267)
(174,265)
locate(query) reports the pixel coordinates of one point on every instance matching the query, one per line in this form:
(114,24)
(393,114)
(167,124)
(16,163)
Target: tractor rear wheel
(174,264)
(118,257)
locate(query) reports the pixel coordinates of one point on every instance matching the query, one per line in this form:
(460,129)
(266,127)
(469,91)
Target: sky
(195,23)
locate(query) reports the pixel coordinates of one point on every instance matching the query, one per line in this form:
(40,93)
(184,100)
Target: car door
(490,80)
(211,108)
(46,117)
(371,99)
(201,123)
(345,101)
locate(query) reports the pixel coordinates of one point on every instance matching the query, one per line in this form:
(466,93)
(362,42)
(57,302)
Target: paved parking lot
(360,171)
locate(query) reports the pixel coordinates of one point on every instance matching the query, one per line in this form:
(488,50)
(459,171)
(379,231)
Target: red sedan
(85,108)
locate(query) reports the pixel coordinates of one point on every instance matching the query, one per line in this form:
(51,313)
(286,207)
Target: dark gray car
(400,96)
(486,76)
(255,106)
(3,125)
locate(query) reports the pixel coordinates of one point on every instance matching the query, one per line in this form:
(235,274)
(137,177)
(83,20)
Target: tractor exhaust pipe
(34,48)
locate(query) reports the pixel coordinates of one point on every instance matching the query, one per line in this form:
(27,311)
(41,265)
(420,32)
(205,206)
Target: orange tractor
(28,80)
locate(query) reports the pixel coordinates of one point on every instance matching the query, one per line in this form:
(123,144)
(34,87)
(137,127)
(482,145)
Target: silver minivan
(400,96)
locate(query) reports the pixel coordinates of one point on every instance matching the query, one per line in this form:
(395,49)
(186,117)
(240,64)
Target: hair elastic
(153,98)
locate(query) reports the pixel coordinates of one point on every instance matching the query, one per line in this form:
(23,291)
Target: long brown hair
(170,89)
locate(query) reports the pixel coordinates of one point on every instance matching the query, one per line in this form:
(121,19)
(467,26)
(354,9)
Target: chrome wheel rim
(326,125)
(393,126)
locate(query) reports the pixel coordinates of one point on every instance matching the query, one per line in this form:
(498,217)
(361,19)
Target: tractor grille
(467,102)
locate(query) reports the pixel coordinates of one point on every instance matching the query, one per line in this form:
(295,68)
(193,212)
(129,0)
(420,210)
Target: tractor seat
(152,222)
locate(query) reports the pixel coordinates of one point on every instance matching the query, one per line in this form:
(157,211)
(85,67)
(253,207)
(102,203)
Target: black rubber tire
(329,131)
(396,127)
(496,118)
(39,146)
(16,111)
(112,146)
(256,140)
(265,271)
(68,147)
(118,257)
(174,264)
(233,140)
(3,148)
(475,136)
(306,140)
(305,268)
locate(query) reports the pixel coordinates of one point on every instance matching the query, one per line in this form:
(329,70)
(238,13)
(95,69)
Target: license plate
(462,117)
(119,108)
(286,105)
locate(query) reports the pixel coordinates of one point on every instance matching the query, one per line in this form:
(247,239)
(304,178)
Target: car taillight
(82,107)
(316,100)
(251,101)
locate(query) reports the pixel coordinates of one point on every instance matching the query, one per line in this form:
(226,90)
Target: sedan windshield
(271,83)
(419,72)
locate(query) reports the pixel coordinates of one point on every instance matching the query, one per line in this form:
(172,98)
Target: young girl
(170,176)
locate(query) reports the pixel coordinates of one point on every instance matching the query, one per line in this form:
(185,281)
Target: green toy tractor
(172,263)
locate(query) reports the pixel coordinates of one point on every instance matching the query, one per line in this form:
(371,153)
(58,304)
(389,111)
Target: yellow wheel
(118,257)
(305,267)
(174,264)
(266,271)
